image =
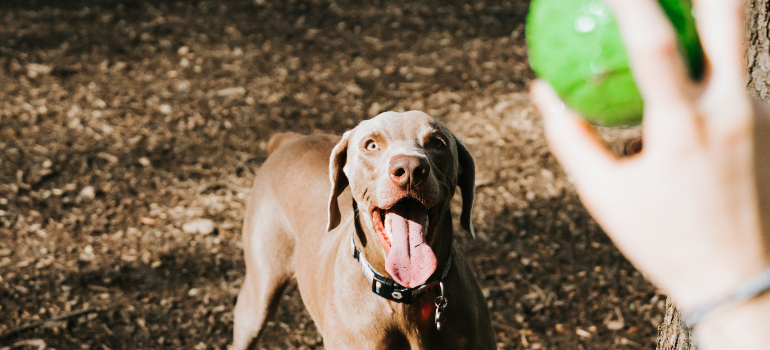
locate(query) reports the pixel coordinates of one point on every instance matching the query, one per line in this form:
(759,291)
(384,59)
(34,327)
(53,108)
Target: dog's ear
(339,180)
(466,180)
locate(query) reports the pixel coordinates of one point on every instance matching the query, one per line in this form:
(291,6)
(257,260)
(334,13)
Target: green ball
(576,46)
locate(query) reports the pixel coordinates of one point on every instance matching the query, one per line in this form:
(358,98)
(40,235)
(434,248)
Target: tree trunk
(672,333)
(758,48)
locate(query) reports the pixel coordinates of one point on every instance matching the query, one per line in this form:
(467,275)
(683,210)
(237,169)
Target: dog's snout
(406,170)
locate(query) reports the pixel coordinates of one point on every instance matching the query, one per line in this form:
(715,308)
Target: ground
(130,132)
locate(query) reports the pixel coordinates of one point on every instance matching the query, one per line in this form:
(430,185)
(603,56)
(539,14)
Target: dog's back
(292,185)
(280,138)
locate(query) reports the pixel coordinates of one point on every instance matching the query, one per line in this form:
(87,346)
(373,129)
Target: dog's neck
(369,244)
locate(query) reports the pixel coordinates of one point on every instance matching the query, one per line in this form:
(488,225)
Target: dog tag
(441,303)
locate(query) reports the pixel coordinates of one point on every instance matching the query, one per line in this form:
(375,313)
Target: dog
(372,250)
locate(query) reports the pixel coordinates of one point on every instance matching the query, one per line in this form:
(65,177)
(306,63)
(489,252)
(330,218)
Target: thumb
(573,141)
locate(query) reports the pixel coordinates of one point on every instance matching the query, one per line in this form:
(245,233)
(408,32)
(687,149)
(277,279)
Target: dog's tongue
(410,261)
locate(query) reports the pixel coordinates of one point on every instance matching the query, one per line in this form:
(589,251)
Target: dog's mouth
(406,235)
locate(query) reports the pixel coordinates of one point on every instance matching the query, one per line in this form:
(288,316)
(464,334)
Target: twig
(505,327)
(223,184)
(232,184)
(30,342)
(244,165)
(237,188)
(33,325)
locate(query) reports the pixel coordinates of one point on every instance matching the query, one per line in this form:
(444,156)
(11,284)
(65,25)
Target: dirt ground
(130,131)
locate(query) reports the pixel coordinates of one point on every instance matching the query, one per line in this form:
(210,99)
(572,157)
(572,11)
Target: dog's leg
(268,251)
(255,307)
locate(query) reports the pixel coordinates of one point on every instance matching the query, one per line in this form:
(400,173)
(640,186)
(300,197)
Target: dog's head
(402,169)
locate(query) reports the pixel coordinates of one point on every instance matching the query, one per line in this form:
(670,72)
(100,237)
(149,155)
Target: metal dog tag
(441,303)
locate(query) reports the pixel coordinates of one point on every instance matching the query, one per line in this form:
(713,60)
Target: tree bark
(758,48)
(672,333)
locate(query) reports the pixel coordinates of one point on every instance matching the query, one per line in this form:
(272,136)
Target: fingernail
(547,98)
(558,107)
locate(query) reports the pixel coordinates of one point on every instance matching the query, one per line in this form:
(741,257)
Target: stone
(200,226)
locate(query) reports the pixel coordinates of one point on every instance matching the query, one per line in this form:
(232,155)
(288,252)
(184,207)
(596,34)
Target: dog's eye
(371,145)
(437,142)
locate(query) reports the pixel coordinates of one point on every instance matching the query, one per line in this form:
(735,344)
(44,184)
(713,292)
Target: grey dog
(384,217)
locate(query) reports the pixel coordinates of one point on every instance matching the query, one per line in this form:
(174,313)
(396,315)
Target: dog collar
(390,289)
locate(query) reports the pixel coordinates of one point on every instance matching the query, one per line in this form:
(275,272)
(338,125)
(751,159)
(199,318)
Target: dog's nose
(408,170)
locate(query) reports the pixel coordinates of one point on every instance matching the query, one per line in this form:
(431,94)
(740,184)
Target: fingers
(721,30)
(659,72)
(653,50)
(572,140)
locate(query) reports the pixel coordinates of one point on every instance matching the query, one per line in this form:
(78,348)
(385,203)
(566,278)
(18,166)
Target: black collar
(390,289)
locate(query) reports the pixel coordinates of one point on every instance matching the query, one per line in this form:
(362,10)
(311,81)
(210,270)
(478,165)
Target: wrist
(741,327)
(713,284)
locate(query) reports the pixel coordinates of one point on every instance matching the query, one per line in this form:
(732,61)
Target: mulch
(130,133)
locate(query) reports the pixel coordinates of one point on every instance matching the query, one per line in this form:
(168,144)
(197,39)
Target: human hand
(685,210)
